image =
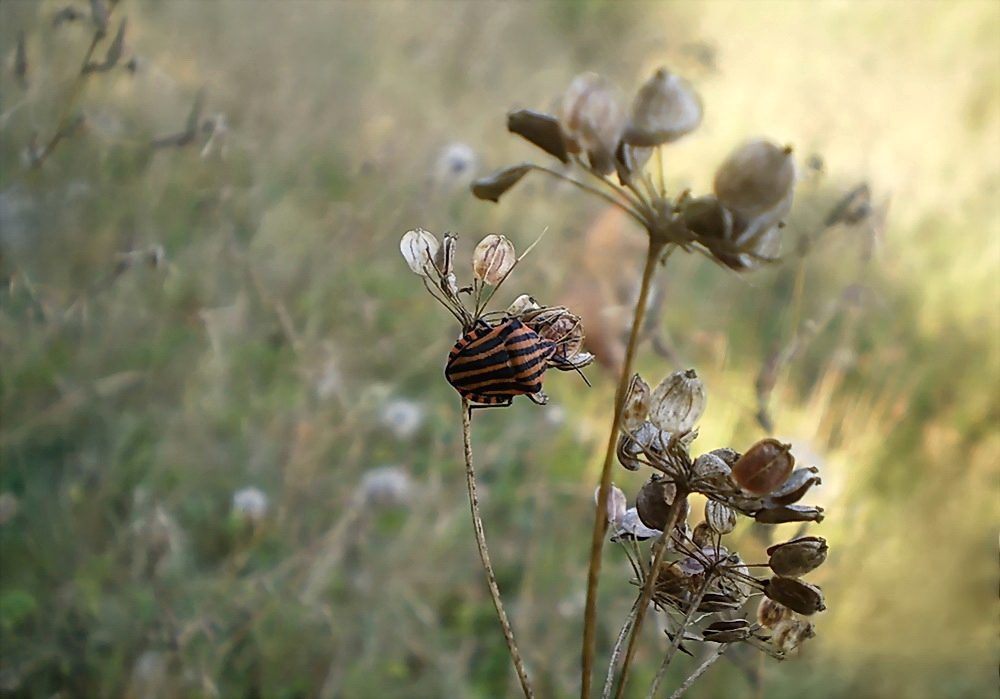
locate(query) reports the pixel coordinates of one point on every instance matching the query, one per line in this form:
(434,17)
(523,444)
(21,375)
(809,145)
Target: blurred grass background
(285,346)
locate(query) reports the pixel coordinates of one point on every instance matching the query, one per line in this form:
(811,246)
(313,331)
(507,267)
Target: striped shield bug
(491,364)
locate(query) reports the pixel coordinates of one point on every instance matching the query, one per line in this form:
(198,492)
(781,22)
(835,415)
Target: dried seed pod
(729,456)
(672,582)
(628,452)
(755,178)
(592,120)
(493,259)
(632,528)
(720,517)
(713,602)
(795,488)
(565,329)
(798,556)
(736,579)
(678,402)
(797,595)
(790,633)
(707,219)
(632,158)
(764,467)
(703,535)
(419,248)
(665,108)
(654,501)
(710,473)
(616,505)
(727,631)
(636,405)
(771,613)
(539,129)
(496,185)
(781,514)
(523,304)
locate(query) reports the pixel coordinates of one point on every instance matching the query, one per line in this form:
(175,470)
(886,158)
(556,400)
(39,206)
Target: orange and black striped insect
(491,364)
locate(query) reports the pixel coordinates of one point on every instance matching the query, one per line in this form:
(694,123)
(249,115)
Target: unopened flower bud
(636,405)
(764,467)
(755,179)
(797,595)
(798,556)
(790,633)
(770,613)
(678,402)
(720,518)
(592,120)
(493,259)
(419,248)
(727,631)
(654,500)
(665,108)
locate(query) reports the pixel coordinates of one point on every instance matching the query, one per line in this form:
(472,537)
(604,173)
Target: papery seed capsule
(771,613)
(493,259)
(672,581)
(665,108)
(592,120)
(780,514)
(616,504)
(735,582)
(703,535)
(729,456)
(755,178)
(709,472)
(764,467)
(720,517)
(678,402)
(713,602)
(419,248)
(628,452)
(798,556)
(523,304)
(636,405)
(654,500)
(708,219)
(632,528)
(791,633)
(565,329)
(727,631)
(797,595)
(793,490)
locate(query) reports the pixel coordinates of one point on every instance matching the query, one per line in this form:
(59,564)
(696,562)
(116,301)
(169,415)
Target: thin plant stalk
(484,554)
(642,605)
(613,663)
(676,643)
(600,518)
(700,670)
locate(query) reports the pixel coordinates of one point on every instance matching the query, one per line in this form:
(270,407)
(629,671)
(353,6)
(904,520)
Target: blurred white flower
(386,486)
(251,503)
(402,417)
(456,165)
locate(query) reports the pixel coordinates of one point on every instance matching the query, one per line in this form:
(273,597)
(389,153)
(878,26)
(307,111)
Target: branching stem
(484,554)
(700,670)
(600,517)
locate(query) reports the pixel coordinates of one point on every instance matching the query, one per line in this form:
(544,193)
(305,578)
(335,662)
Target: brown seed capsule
(730,456)
(797,595)
(727,631)
(770,613)
(565,329)
(496,185)
(798,556)
(636,405)
(709,472)
(629,452)
(790,633)
(665,108)
(707,219)
(703,535)
(539,129)
(713,602)
(592,120)
(719,517)
(654,500)
(795,488)
(493,259)
(781,514)
(755,178)
(616,505)
(764,467)
(678,402)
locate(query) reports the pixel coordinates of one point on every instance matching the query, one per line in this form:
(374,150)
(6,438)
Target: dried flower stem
(678,637)
(613,663)
(600,517)
(700,670)
(484,554)
(642,605)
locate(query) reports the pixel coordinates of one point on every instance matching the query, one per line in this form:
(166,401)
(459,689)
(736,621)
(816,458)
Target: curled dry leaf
(496,185)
